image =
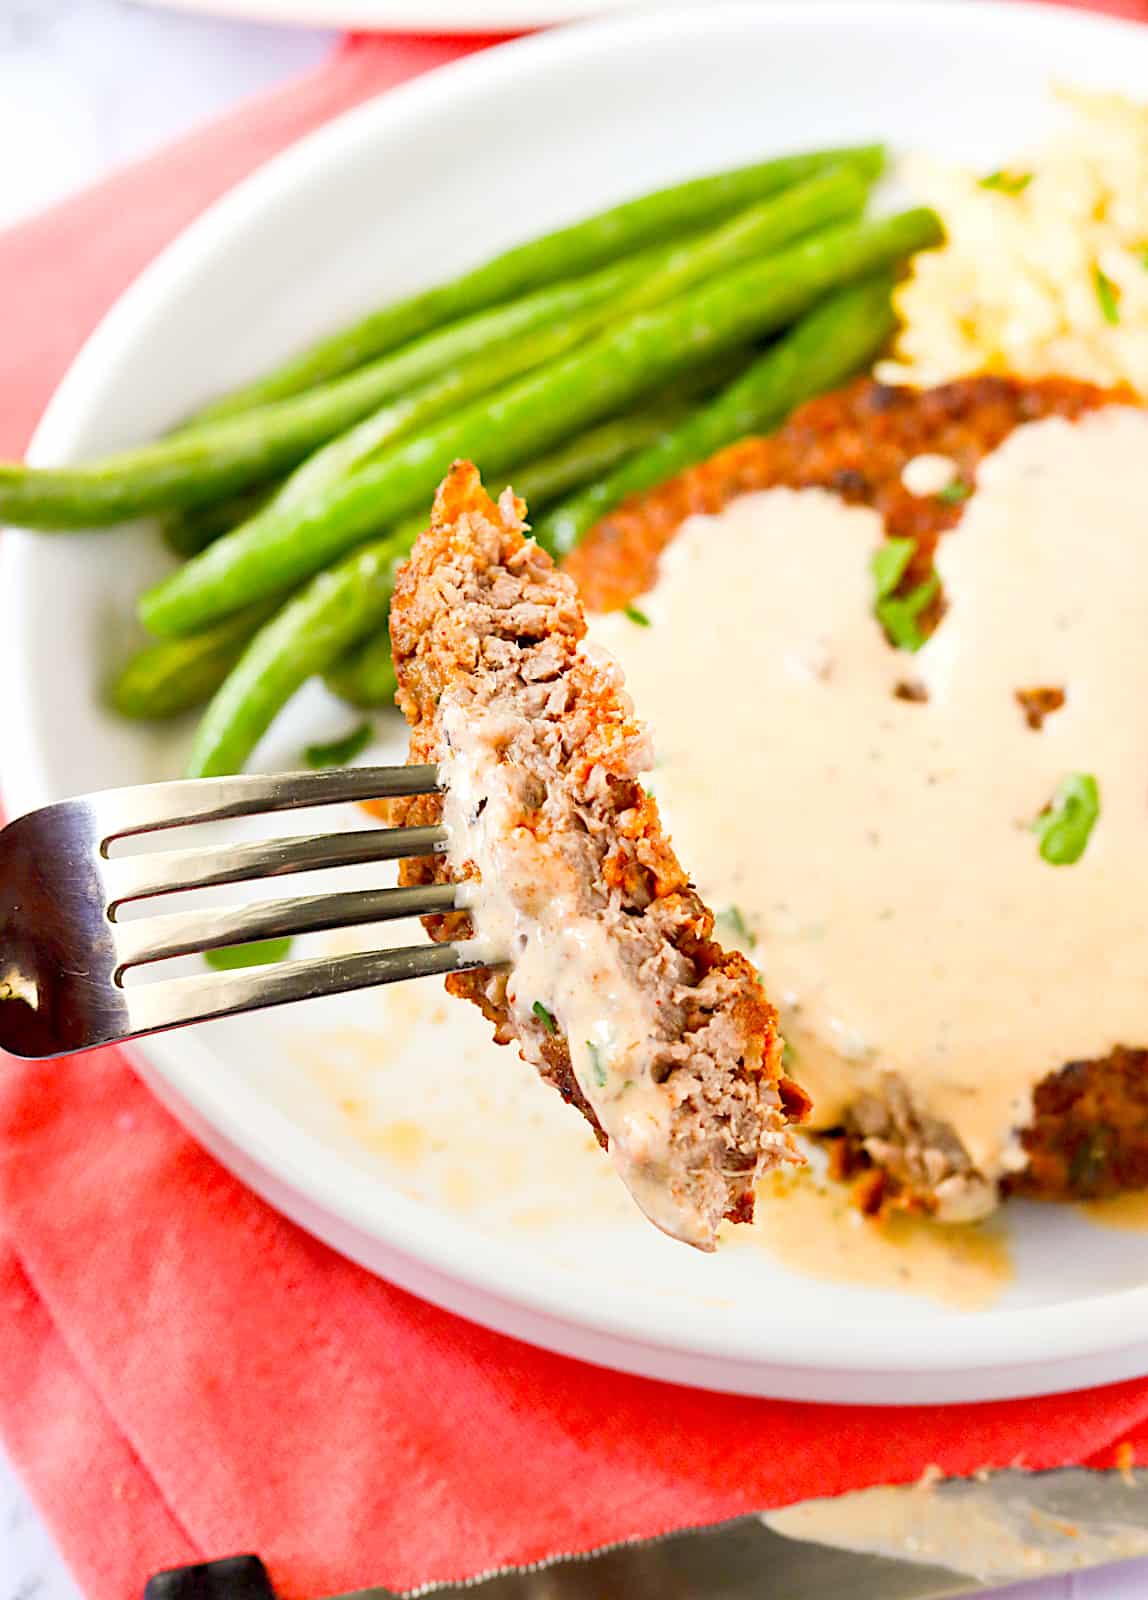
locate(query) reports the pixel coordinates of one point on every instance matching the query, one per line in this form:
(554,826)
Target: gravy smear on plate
(880,849)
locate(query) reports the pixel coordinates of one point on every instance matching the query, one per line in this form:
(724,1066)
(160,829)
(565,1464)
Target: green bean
(698,383)
(310,633)
(825,347)
(585,245)
(365,678)
(170,676)
(591,453)
(831,343)
(186,533)
(835,195)
(211,463)
(530,415)
(341,750)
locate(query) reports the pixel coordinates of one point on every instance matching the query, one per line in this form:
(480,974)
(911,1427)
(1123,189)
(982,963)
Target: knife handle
(233,1578)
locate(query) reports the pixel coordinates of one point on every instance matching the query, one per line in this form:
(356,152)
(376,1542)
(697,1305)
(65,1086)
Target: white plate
(405,1140)
(418,16)
(407,16)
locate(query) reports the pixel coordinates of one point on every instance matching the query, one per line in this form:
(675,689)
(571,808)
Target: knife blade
(925,1541)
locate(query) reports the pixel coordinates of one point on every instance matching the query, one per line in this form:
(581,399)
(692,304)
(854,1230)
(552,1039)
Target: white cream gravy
(526,906)
(881,850)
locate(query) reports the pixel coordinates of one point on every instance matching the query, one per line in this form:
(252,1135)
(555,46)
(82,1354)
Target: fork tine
(153,1006)
(178,934)
(163,872)
(122,812)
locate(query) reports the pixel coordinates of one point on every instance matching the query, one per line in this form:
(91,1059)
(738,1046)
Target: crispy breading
(488,635)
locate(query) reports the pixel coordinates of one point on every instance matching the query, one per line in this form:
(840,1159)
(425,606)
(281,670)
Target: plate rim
(1012,1339)
(451,18)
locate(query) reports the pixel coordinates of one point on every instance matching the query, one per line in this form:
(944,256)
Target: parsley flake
(1108,296)
(889,562)
(546,1018)
(733,919)
(1007,182)
(955,493)
(899,614)
(1067,821)
(597,1065)
(636,616)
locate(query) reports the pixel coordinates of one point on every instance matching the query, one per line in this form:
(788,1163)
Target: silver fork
(64,953)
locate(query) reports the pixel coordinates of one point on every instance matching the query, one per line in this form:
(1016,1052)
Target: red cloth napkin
(184,1374)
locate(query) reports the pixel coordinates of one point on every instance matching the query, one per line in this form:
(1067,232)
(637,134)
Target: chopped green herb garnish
(1065,825)
(340,752)
(1007,182)
(1144,256)
(733,919)
(1107,294)
(953,494)
(637,616)
(899,615)
(259,953)
(546,1018)
(597,1065)
(889,563)
(788,1054)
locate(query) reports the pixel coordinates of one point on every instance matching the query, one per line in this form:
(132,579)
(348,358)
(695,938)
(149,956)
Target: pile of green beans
(582,367)
(284,545)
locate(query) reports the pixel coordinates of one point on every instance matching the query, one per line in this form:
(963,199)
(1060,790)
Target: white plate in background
(386,1122)
(421,16)
(407,16)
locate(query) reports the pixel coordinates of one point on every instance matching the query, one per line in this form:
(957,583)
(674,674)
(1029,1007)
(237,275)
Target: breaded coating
(615,989)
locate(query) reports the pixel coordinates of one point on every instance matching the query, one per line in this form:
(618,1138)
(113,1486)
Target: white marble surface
(87,84)
(84,86)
